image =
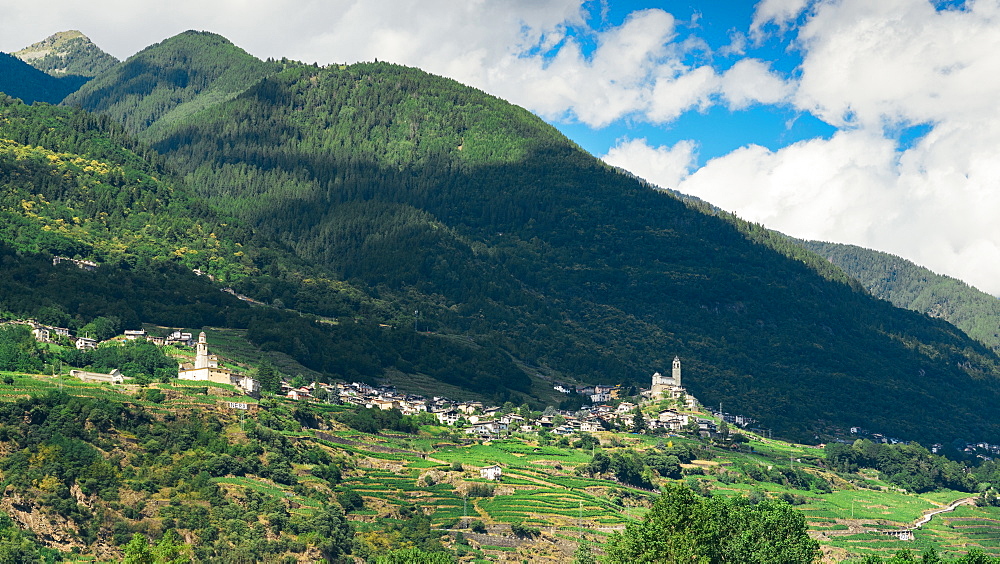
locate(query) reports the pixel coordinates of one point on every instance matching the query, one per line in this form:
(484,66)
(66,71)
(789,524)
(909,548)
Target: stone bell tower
(677,371)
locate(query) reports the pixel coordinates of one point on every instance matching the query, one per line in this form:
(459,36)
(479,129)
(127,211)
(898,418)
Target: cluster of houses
(982,450)
(476,418)
(205,368)
(48,334)
(486,421)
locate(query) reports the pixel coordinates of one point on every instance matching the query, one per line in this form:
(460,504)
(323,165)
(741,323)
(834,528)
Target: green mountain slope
(67,53)
(438,198)
(21,80)
(75,184)
(171,80)
(911,286)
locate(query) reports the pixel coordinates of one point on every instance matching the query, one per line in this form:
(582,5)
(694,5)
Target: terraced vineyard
(179,395)
(543,487)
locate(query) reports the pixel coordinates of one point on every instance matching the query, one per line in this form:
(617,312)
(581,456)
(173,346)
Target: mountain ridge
(220,71)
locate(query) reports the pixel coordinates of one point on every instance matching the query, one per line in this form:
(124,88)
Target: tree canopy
(684,527)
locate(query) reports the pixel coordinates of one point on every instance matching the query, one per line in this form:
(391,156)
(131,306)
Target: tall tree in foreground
(683,527)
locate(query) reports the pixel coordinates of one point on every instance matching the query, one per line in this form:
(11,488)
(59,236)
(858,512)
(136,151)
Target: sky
(873,123)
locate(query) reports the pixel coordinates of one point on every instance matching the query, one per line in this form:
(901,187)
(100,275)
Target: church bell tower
(201,353)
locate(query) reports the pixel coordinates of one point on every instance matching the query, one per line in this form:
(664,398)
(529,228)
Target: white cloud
(671,96)
(806,189)
(665,166)
(751,81)
(611,82)
(868,63)
(928,203)
(780,13)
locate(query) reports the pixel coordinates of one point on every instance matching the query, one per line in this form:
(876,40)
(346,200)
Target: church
(670,387)
(206,369)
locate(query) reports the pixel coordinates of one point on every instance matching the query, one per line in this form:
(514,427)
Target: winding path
(906,533)
(927,516)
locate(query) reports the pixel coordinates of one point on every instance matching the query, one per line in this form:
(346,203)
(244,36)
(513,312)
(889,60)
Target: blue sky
(718,130)
(857,121)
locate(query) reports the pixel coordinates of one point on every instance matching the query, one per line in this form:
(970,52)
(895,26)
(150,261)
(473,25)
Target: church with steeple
(670,387)
(206,369)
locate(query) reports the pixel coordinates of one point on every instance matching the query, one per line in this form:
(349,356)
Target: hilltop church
(206,369)
(669,387)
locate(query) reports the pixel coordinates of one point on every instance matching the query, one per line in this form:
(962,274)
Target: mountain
(171,80)
(368,192)
(914,287)
(67,53)
(21,80)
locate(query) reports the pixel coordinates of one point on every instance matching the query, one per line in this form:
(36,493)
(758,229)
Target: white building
(133,334)
(206,369)
(115,377)
(491,472)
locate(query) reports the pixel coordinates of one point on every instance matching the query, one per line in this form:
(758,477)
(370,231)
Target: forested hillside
(400,188)
(76,185)
(170,80)
(911,286)
(21,80)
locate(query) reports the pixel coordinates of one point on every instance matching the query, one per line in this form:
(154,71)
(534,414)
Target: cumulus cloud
(898,61)
(665,166)
(780,13)
(808,189)
(857,188)
(750,81)
(878,66)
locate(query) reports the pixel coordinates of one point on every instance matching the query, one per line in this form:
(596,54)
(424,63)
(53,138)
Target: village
(666,406)
(608,408)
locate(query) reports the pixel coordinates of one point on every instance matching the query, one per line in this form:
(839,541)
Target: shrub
(480,490)
(521,531)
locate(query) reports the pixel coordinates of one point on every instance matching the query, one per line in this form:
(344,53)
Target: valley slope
(368,192)
(910,286)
